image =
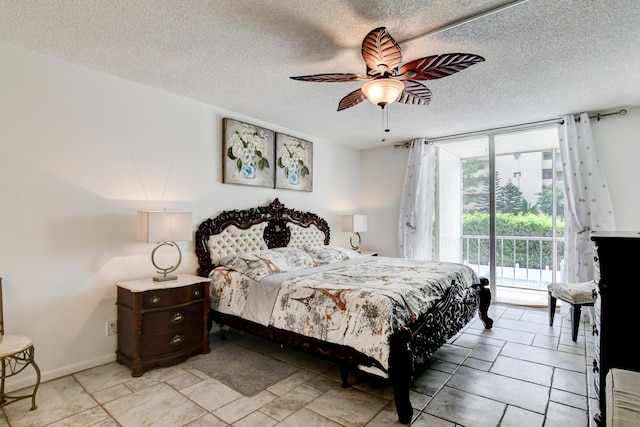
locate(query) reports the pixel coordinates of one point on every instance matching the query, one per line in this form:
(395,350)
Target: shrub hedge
(512,225)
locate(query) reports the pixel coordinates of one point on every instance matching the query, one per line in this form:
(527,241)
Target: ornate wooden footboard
(415,346)
(410,346)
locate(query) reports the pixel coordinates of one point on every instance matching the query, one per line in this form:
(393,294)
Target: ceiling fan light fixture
(388,79)
(383,91)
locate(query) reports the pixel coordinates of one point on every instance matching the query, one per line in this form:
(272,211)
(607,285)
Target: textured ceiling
(544,58)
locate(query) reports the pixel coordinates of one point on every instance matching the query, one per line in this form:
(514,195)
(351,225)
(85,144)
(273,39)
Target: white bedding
(358,302)
(262,294)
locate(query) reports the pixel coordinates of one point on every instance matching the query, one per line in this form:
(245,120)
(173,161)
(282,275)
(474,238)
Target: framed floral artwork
(249,153)
(294,163)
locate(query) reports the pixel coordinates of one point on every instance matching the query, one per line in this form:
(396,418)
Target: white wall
(617,140)
(80,152)
(383,171)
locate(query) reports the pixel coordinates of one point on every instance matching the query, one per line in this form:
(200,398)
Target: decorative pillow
(326,254)
(258,265)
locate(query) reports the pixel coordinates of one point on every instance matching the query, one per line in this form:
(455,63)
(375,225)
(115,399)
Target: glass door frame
(490,139)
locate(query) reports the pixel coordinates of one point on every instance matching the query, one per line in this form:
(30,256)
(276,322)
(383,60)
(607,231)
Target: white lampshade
(383,91)
(164,226)
(354,223)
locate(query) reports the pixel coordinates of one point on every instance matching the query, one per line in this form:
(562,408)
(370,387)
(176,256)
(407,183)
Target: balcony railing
(521,261)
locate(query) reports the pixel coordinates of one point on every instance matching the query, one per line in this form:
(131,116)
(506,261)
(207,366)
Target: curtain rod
(559,120)
(462,21)
(598,116)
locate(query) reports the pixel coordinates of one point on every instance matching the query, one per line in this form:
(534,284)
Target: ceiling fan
(387,81)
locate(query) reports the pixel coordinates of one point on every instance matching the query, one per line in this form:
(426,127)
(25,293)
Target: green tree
(545,200)
(528,208)
(475,185)
(508,198)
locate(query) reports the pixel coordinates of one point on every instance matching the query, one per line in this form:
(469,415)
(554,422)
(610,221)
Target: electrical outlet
(112,327)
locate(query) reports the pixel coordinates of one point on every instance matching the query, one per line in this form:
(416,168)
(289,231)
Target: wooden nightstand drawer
(169,297)
(170,342)
(162,323)
(172,319)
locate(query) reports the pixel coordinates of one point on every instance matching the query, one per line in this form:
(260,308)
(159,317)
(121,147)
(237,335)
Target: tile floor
(520,373)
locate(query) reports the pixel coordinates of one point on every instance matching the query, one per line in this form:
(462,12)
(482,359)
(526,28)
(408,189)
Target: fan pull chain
(385,122)
(386,128)
(382,138)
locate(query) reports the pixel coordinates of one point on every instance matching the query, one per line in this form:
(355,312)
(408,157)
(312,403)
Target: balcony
(522,262)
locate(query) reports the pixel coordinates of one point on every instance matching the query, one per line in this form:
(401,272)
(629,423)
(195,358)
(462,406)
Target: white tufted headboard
(301,236)
(255,229)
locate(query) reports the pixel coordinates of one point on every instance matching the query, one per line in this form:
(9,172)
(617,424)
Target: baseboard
(27,378)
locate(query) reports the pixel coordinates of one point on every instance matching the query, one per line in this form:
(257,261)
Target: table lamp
(355,224)
(165,228)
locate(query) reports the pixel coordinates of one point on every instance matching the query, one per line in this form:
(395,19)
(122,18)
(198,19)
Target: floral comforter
(333,294)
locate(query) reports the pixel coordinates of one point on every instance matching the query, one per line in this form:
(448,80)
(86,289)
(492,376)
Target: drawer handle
(595,330)
(595,365)
(154,299)
(176,341)
(179,317)
(196,293)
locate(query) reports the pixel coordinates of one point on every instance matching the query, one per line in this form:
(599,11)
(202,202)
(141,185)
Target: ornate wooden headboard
(263,227)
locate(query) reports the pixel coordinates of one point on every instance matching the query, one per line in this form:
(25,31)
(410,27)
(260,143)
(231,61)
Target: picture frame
(294,163)
(248,153)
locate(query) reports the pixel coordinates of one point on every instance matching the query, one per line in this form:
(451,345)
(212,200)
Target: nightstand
(161,323)
(368,253)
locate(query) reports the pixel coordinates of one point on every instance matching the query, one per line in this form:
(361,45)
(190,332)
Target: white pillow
(325,254)
(258,265)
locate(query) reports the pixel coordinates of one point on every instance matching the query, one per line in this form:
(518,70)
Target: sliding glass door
(499,208)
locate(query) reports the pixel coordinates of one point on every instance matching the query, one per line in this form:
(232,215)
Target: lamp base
(164,271)
(355,244)
(164,278)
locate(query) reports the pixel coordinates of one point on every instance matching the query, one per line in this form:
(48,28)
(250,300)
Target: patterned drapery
(587,201)
(417,205)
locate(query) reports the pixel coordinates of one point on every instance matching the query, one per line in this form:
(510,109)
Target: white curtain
(417,204)
(587,201)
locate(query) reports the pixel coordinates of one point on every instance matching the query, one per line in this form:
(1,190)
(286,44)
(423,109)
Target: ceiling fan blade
(331,77)
(415,93)
(354,98)
(380,52)
(438,66)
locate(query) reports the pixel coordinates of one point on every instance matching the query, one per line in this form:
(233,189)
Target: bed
(274,274)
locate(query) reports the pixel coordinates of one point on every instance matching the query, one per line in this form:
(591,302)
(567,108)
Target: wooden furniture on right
(616,307)
(162,323)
